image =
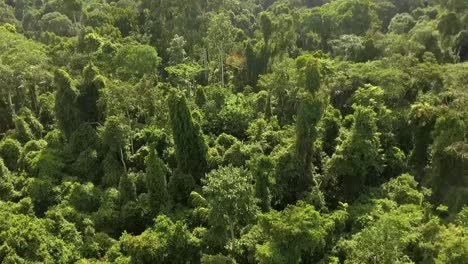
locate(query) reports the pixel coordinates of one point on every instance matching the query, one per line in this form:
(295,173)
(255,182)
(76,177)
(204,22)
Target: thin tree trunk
(122,160)
(221,63)
(10,102)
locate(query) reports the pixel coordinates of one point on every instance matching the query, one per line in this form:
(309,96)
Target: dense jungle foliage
(234,131)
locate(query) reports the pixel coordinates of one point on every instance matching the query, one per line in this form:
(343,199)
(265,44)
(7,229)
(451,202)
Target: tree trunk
(122,160)
(10,102)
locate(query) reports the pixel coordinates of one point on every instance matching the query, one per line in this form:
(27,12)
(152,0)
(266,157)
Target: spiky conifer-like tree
(190,146)
(156,181)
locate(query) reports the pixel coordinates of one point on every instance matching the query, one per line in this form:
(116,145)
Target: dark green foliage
(180,186)
(191,150)
(41,193)
(86,165)
(262,169)
(23,132)
(115,134)
(83,138)
(449,159)
(66,111)
(85,197)
(57,23)
(127,189)
(422,118)
(113,170)
(200,96)
(156,181)
(330,128)
(166,242)
(89,94)
(10,152)
(308,116)
(289,133)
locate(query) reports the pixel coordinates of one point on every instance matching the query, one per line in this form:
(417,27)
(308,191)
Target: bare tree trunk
(122,160)
(221,63)
(10,102)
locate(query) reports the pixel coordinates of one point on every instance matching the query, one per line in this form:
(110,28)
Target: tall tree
(357,160)
(89,94)
(230,199)
(66,110)
(294,185)
(191,149)
(262,170)
(114,138)
(220,39)
(156,181)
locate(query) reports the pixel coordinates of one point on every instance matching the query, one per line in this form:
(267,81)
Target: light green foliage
(309,75)
(26,238)
(132,62)
(23,132)
(462,217)
(403,190)
(288,241)
(357,159)
(220,39)
(401,23)
(165,242)
(385,240)
(236,115)
(176,50)
(230,199)
(3,169)
(48,164)
(217,259)
(31,121)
